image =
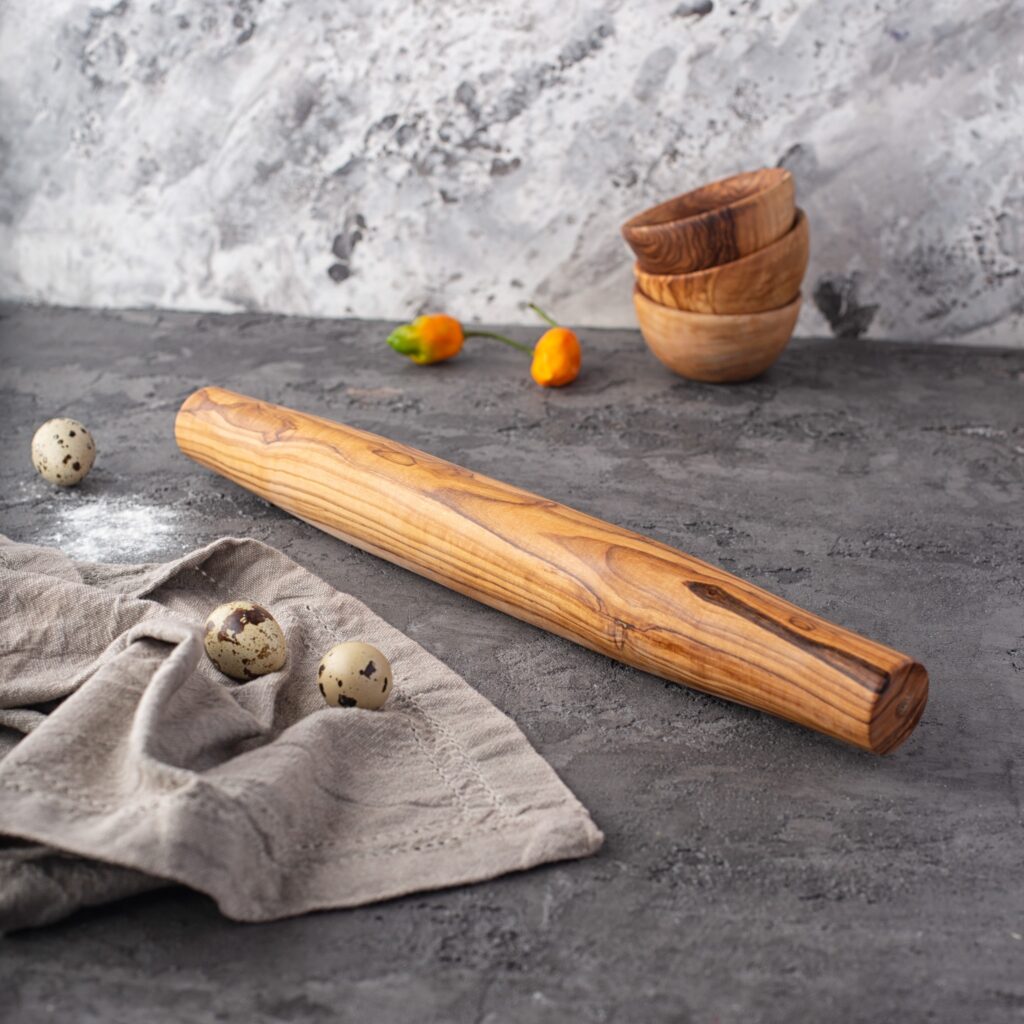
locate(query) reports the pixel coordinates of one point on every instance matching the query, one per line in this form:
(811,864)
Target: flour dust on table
(111,529)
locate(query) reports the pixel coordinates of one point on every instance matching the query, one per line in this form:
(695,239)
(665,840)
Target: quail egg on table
(63,452)
(244,640)
(355,675)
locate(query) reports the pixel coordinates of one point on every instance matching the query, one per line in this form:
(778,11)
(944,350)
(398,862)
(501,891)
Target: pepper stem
(498,337)
(540,312)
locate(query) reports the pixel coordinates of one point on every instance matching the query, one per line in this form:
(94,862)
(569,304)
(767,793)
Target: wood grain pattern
(611,590)
(716,348)
(764,280)
(717,223)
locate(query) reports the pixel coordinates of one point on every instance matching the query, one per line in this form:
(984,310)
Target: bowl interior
(710,197)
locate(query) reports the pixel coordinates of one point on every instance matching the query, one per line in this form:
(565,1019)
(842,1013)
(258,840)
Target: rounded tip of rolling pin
(900,708)
(193,402)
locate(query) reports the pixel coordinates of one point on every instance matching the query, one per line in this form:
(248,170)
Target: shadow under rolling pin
(607,588)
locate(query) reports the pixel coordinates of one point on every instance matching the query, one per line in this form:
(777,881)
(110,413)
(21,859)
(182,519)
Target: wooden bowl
(766,279)
(718,223)
(715,347)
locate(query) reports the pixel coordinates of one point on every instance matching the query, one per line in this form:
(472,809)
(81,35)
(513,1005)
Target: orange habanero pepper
(556,356)
(428,339)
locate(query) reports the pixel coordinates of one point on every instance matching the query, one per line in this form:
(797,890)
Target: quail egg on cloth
(355,675)
(63,452)
(244,640)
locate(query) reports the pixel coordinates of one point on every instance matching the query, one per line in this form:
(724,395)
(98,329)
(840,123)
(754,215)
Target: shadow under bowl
(715,348)
(764,280)
(717,223)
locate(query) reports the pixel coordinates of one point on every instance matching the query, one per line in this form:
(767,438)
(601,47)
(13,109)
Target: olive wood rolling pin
(611,590)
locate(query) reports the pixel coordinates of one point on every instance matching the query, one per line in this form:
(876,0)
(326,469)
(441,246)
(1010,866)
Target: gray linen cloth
(127,761)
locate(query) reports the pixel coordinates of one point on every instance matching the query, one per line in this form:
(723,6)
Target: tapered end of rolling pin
(222,419)
(899,708)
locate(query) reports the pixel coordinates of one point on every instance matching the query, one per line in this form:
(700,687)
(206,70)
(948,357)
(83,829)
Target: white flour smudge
(114,530)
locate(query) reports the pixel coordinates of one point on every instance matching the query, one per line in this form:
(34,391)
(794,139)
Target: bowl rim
(715,318)
(652,221)
(799,220)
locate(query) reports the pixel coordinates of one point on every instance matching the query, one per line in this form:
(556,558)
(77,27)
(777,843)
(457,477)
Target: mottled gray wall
(376,159)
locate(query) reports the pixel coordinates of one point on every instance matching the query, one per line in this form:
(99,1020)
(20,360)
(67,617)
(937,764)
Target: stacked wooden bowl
(718,275)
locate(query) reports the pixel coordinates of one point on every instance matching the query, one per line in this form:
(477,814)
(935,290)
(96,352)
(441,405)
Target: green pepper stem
(540,312)
(498,337)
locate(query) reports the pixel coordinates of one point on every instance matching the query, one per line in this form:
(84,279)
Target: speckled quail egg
(355,675)
(244,640)
(63,451)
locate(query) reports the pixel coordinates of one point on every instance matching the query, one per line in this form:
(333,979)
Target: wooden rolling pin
(614,591)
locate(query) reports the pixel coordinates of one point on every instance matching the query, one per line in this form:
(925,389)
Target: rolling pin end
(900,709)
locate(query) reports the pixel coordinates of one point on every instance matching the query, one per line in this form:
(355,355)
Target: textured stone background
(375,159)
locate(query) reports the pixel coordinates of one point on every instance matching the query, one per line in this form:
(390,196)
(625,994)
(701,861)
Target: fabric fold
(128,762)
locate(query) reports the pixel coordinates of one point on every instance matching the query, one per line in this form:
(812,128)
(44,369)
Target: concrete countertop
(753,871)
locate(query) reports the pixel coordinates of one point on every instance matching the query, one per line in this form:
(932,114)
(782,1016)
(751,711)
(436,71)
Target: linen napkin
(127,761)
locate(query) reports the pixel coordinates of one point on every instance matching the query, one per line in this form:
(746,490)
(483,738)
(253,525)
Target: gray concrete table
(753,871)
